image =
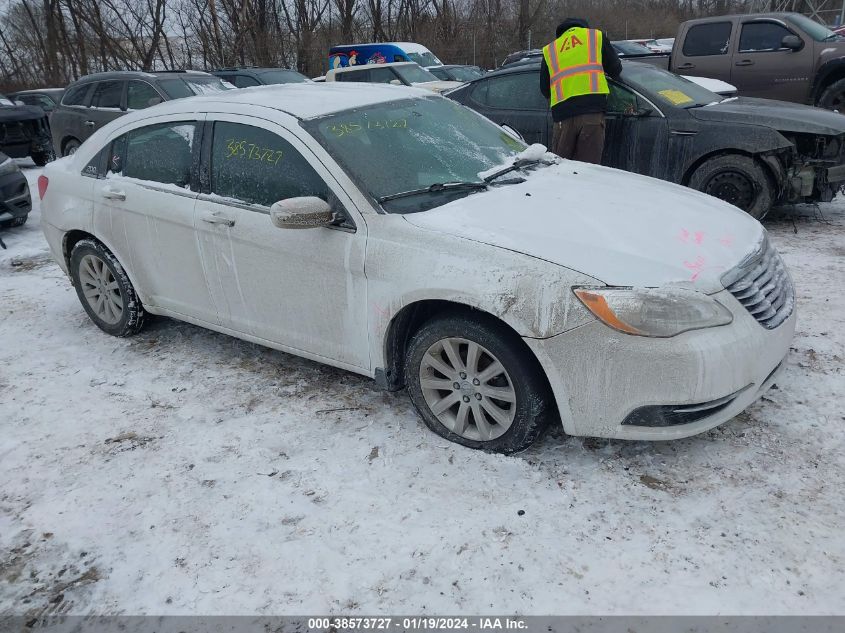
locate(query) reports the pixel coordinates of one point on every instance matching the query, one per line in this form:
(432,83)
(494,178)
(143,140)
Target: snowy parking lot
(183,471)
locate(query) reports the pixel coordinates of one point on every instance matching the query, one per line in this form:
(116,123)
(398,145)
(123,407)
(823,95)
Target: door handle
(216,218)
(685,67)
(744,62)
(112,194)
(90,123)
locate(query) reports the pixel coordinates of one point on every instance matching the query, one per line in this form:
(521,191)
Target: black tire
(739,180)
(20,221)
(533,398)
(42,158)
(70,146)
(133,316)
(833,97)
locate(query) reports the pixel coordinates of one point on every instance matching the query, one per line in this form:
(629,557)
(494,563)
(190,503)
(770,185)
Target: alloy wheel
(101,289)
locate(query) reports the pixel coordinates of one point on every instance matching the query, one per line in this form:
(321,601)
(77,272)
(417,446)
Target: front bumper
(15,199)
(600,376)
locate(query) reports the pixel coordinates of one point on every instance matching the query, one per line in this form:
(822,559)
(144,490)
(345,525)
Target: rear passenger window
(762,36)
(140,95)
(107,94)
(382,76)
(708,39)
(159,153)
(358,75)
(512,92)
(76,95)
(244,81)
(258,167)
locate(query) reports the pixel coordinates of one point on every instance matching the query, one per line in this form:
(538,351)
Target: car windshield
(631,48)
(412,144)
(424,59)
(818,32)
(464,73)
(282,77)
(4,100)
(666,87)
(413,74)
(177,88)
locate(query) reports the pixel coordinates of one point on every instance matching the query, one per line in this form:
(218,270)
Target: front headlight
(8,166)
(653,312)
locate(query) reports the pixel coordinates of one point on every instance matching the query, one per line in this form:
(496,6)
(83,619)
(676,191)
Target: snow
(183,471)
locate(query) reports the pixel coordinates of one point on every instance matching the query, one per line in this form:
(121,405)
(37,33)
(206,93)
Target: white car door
(301,289)
(146,207)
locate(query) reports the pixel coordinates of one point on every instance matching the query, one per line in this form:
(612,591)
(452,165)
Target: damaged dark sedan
(753,153)
(25,131)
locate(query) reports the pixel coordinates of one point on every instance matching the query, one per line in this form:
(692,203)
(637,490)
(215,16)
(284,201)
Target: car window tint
(357,75)
(515,92)
(107,94)
(140,95)
(762,36)
(382,76)
(175,88)
(439,73)
(708,39)
(243,81)
(160,153)
(76,95)
(621,100)
(258,167)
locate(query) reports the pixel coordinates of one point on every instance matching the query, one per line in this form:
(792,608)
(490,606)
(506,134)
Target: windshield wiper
(435,188)
(517,164)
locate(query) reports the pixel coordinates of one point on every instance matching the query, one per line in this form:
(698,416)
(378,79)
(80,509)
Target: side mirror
(792,42)
(512,132)
(306,212)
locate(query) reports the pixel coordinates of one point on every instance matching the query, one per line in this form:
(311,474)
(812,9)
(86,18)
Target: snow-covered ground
(183,471)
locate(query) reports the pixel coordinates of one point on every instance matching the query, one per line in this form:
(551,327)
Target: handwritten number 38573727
(251,151)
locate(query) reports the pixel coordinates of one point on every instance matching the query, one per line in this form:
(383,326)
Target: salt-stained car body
(502,286)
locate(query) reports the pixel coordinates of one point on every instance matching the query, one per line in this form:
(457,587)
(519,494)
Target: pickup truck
(784,56)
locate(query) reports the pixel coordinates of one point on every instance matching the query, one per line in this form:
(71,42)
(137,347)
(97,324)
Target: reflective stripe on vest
(575,65)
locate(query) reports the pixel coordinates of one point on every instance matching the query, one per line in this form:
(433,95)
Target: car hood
(438,86)
(780,115)
(619,228)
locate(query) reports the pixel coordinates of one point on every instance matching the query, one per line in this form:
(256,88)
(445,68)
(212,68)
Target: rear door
(764,68)
(106,105)
(68,121)
(515,100)
(705,50)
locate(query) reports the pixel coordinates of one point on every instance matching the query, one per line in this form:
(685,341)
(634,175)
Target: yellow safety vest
(574,62)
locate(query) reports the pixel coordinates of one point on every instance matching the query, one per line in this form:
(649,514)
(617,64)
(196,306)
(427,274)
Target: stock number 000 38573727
(251,151)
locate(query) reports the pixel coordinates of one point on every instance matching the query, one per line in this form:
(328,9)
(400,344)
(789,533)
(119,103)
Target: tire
(42,158)
(94,270)
(20,221)
(523,420)
(833,97)
(70,147)
(739,180)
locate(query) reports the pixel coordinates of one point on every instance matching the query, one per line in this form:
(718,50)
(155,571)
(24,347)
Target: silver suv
(94,100)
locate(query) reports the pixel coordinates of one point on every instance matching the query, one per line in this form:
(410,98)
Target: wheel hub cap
(100,289)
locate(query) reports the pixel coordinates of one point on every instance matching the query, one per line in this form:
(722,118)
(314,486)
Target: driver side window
(621,100)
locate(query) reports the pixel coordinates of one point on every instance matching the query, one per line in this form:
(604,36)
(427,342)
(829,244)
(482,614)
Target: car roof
(369,66)
(746,16)
(251,69)
(38,91)
(139,74)
(301,100)
(534,64)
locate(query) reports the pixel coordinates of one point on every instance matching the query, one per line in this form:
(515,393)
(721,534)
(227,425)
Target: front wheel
(737,179)
(476,385)
(104,289)
(833,97)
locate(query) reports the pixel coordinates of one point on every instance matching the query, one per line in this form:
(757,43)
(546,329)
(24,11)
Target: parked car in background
(629,48)
(94,100)
(381,53)
(15,201)
(45,98)
(661,45)
(520,57)
(785,56)
(753,153)
(399,74)
(24,131)
(247,77)
(454,268)
(456,72)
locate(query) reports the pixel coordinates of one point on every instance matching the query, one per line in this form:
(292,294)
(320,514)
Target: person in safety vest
(573,77)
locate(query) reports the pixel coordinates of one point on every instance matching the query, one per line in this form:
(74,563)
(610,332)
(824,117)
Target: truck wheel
(737,179)
(70,147)
(475,385)
(104,289)
(833,97)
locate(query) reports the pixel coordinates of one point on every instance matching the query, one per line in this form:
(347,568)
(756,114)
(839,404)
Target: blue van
(381,53)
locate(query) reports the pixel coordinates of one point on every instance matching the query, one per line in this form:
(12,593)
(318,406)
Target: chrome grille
(762,285)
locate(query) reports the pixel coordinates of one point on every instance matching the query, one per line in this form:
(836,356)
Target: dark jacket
(583,104)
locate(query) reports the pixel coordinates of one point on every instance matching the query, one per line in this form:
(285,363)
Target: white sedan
(505,288)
